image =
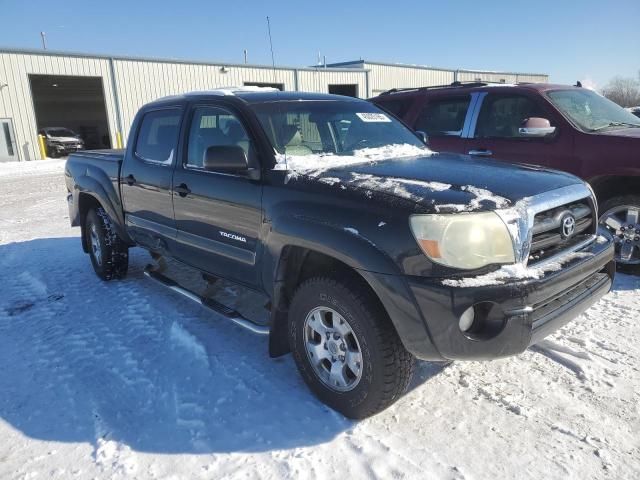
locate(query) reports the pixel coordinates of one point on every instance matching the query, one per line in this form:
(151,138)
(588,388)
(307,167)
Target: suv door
(218,215)
(443,120)
(146,178)
(496,134)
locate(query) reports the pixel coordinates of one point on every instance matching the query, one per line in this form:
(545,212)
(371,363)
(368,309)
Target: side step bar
(209,303)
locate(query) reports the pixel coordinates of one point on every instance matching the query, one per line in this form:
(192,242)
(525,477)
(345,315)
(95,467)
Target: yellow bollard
(119,140)
(43,147)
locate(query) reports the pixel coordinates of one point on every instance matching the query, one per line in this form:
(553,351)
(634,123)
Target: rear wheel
(621,216)
(109,254)
(346,348)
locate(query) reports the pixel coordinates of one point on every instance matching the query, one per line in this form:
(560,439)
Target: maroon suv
(557,126)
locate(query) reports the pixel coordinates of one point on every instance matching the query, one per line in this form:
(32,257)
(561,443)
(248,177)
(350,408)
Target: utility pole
(245,56)
(44,40)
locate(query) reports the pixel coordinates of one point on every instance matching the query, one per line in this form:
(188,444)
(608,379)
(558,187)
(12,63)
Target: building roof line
(62,53)
(426,67)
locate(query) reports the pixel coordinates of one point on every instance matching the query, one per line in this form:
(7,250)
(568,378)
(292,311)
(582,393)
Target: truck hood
(444,182)
(65,139)
(622,132)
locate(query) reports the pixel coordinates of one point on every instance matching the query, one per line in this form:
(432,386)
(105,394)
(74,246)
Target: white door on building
(8,150)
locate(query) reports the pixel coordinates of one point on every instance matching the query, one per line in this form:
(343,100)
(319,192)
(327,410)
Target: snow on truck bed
(125,380)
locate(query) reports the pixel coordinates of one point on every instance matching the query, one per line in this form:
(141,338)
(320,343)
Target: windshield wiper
(616,124)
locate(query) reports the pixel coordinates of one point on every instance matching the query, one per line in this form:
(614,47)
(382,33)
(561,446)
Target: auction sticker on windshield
(373,117)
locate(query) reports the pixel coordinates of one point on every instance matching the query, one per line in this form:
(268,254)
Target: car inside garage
(76,103)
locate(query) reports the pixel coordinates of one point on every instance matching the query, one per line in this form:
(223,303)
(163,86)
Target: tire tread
(397,363)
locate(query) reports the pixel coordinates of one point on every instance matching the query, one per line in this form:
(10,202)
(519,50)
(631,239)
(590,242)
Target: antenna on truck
(273,61)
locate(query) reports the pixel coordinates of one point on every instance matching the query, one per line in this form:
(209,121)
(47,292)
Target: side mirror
(536,127)
(225,158)
(422,136)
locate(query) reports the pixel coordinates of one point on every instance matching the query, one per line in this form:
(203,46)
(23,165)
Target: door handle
(130,179)
(182,190)
(481,153)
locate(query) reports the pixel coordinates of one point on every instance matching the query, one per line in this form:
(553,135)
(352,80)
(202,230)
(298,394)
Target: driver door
(497,134)
(218,215)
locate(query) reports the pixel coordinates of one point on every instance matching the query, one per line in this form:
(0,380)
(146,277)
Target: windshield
(316,133)
(60,132)
(591,111)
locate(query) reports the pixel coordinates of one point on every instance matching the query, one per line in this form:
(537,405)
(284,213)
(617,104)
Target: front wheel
(346,348)
(621,216)
(109,254)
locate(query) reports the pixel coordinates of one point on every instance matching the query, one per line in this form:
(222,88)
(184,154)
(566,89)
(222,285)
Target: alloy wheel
(623,221)
(333,349)
(96,249)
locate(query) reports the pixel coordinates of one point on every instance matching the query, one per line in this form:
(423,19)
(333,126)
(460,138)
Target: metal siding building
(118,86)
(129,83)
(385,76)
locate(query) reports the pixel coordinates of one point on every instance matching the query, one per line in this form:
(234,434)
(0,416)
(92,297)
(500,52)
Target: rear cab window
(158,136)
(443,117)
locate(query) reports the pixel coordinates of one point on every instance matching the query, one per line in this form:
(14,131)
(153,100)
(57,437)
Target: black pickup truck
(371,249)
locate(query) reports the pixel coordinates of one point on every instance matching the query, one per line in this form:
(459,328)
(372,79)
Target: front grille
(551,235)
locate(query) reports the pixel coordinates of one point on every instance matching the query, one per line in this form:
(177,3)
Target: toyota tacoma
(372,250)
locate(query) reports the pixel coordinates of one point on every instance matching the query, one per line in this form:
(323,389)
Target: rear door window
(158,136)
(399,107)
(443,118)
(502,116)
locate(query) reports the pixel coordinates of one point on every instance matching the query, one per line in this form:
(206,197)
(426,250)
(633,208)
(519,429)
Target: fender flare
(350,248)
(102,190)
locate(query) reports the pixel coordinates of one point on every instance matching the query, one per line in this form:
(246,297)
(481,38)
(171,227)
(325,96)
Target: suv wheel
(346,348)
(109,254)
(622,218)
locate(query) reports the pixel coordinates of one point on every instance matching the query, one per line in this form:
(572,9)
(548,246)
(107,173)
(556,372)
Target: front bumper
(65,149)
(522,311)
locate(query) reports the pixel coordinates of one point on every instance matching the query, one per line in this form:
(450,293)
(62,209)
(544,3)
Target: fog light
(466,319)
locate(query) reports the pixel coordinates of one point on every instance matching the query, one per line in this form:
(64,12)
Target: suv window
(158,136)
(442,118)
(399,107)
(213,126)
(502,116)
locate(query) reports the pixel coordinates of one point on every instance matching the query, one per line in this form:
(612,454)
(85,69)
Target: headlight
(465,241)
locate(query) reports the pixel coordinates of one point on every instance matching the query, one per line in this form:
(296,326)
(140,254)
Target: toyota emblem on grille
(568,226)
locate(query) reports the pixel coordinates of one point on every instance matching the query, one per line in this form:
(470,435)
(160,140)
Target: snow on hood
(480,195)
(316,164)
(398,170)
(512,272)
(400,187)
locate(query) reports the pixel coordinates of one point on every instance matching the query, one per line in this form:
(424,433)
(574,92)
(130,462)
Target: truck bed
(105,161)
(114,155)
(87,170)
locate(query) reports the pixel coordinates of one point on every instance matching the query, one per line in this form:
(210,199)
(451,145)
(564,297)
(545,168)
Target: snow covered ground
(124,380)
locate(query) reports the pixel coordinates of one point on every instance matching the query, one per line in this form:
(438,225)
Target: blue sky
(570,40)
